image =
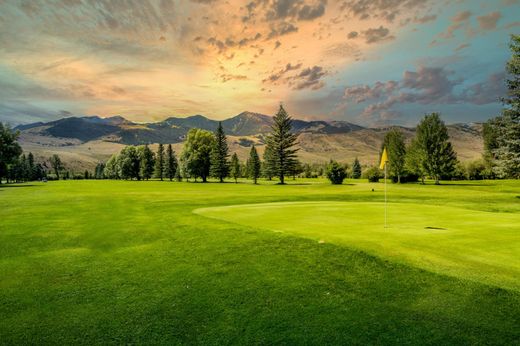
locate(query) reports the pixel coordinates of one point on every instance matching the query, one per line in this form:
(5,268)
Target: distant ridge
(82,142)
(172,129)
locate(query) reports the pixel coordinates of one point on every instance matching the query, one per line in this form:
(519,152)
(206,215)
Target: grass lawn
(97,262)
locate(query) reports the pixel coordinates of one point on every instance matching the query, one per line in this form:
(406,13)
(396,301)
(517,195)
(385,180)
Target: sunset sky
(368,62)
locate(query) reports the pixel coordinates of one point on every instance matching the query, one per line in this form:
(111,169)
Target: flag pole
(385,195)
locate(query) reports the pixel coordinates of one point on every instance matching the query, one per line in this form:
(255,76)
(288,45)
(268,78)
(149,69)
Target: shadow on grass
(15,185)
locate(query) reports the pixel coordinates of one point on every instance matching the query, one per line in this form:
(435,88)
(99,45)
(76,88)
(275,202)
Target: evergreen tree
(253,164)
(171,163)
(268,169)
(505,136)
(438,157)
(159,162)
(280,146)
(336,173)
(56,165)
(10,150)
(396,149)
(31,167)
(178,173)
(219,155)
(356,169)
(147,162)
(235,167)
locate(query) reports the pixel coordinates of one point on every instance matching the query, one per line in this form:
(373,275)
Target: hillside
(84,141)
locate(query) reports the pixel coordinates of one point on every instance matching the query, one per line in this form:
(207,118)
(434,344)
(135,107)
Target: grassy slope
(127,262)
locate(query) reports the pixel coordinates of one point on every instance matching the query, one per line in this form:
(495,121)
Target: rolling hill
(84,141)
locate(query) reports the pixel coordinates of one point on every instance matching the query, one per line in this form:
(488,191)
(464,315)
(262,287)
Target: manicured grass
(130,262)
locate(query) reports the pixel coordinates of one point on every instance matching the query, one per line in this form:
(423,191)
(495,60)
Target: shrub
(476,170)
(336,172)
(373,174)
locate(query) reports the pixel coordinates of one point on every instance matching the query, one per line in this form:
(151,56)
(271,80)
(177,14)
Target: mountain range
(84,141)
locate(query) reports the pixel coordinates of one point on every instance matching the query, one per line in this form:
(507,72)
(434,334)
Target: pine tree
(159,162)
(178,173)
(438,157)
(235,167)
(268,169)
(282,156)
(219,155)
(506,128)
(147,162)
(31,167)
(356,169)
(396,149)
(253,164)
(171,163)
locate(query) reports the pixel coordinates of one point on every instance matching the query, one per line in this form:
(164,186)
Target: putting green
(469,244)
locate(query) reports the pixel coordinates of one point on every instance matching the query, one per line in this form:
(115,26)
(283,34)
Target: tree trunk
(282,179)
(399,179)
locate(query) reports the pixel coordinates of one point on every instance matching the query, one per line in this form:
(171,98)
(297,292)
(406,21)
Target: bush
(407,177)
(336,173)
(373,174)
(476,170)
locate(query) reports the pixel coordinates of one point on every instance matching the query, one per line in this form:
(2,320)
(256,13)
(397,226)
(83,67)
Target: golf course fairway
(460,242)
(157,262)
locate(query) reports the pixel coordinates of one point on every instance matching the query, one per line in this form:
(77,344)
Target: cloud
(352,34)
(294,9)
(489,21)
(426,85)
(374,35)
(227,77)
(387,10)
(276,76)
(488,91)
(308,78)
(281,29)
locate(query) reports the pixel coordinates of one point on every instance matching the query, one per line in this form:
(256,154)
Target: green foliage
(159,162)
(129,163)
(235,167)
(336,173)
(196,154)
(147,162)
(268,168)
(10,150)
(502,138)
(99,172)
(476,170)
(219,155)
(253,164)
(373,174)
(356,169)
(281,155)
(432,148)
(56,164)
(394,142)
(113,168)
(171,163)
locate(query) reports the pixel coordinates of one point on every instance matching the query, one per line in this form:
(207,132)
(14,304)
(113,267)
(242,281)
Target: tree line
(206,154)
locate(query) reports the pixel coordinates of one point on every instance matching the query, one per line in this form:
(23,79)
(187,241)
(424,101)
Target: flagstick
(385,194)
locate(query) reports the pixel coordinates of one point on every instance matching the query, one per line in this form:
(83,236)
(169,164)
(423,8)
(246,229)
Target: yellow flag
(384,159)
